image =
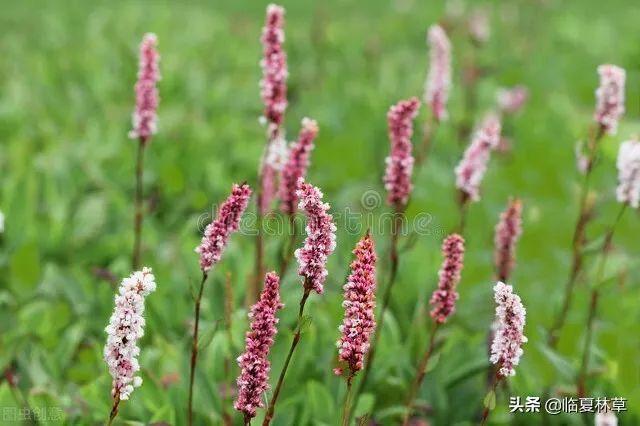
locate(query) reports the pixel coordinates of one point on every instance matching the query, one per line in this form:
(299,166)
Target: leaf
(24,269)
(365,405)
(320,402)
(490,400)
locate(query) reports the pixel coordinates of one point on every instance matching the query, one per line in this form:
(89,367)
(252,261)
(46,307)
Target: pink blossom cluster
(145,114)
(506,348)
(479,26)
(507,232)
(444,297)
(472,167)
(511,100)
(628,190)
(254,363)
(216,234)
(273,85)
(397,179)
(125,328)
(610,97)
(321,237)
(359,304)
(438,83)
(606,418)
(296,165)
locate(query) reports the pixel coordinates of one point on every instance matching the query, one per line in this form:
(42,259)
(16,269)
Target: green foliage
(66,96)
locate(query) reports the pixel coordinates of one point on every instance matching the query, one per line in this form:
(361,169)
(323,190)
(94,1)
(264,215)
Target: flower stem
(287,253)
(114,408)
(386,298)
(421,372)
(463,203)
(194,348)
(579,234)
(593,305)
(487,408)
(346,410)
(139,210)
(294,343)
(228,311)
(429,130)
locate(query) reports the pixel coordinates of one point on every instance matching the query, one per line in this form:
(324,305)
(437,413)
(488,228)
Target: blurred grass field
(66,96)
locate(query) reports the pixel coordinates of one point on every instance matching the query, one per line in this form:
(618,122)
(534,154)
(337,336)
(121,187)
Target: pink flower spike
(444,297)
(359,303)
(217,233)
(296,166)
(254,362)
(511,100)
(273,86)
(321,237)
(628,190)
(397,179)
(438,83)
(472,167)
(507,233)
(145,117)
(610,97)
(125,328)
(506,348)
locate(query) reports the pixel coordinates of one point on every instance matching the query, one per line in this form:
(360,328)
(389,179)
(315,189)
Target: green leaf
(490,400)
(24,269)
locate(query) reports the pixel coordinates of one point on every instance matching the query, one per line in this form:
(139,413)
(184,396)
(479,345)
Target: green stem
(194,348)
(421,372)
(139,210)
(584,217)
(593,305)
(346,410)
(294,343)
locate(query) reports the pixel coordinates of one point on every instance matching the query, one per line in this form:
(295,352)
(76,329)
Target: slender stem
(287,253)
(114,408)
(421,372)
(463,203)
(254,289)
(294,343)
(593,305)
(346,409)
(429,130)
(487,409)
(228,310)
(386,299)
(194,348)
(139,210)
(584,216)
(247,420)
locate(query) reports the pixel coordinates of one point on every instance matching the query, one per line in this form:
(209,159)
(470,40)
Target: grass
(66,95)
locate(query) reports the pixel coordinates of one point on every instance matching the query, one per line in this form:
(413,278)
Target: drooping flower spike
(507,233)
(296,165)
(254,362)
(511,100)
(273,85)
(610,97)
(628,190)
(359,304)
(321,237)
(125,328)
(216,234)
(397,179)
(472,167)
(438,84)
(506,348)
(444,298)
(145,115)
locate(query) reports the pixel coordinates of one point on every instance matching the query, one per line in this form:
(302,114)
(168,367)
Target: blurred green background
(66,96)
